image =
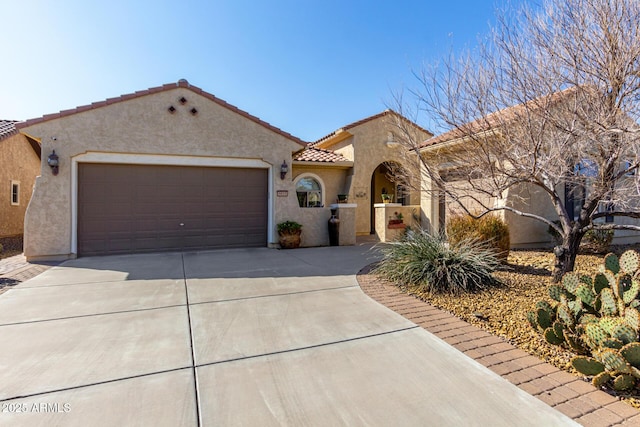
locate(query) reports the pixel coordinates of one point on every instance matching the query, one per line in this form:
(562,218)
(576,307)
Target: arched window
(309,192)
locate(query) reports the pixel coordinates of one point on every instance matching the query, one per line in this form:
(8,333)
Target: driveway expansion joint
(80,316)
(272,295)
(192,344)
(292,350)
(146,374)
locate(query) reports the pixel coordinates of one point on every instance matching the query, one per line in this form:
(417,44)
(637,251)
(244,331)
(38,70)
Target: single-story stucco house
(176,168)
(19,166)
(448,152)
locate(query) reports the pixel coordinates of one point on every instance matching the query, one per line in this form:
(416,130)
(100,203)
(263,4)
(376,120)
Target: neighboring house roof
(363,121)
(8,128)
(181,83)
(496,119)
(312,154)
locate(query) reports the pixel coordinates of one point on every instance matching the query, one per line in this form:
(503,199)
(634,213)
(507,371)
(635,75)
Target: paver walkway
(568,394)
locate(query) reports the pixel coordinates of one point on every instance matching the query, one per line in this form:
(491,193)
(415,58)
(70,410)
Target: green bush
(597,241)
(430,265)
(490,229)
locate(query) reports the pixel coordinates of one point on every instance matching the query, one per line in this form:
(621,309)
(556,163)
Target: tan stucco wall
(369,151)
(387,211)
(315,231)
(19,163)
(143,126)
(527,232)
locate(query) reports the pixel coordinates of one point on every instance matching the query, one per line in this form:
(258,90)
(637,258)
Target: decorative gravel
(502,311)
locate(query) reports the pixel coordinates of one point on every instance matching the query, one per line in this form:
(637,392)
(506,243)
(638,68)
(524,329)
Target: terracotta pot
(289,241)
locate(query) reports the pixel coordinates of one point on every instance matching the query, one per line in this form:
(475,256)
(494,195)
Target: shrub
(430,265)
(289,227)
(490,229)
(597,241)
(598,318)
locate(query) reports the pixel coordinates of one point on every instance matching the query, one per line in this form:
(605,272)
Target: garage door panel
(139,208)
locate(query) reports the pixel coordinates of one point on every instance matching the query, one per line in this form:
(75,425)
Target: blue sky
(308,67)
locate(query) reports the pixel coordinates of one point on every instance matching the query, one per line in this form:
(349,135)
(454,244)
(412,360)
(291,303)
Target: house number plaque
(283,193)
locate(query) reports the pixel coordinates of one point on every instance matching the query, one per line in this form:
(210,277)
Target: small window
(15,193)
(309,192)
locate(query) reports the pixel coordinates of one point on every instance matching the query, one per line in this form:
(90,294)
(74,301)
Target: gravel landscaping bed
(502,311)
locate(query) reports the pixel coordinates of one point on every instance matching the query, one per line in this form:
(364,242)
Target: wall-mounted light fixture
(284,168)
(52,160)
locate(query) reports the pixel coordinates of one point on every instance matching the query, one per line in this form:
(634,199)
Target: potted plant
(396,219)
(386,198)
(343,198)
(289,232)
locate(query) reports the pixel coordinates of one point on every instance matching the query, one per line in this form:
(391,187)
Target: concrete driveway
(254,337)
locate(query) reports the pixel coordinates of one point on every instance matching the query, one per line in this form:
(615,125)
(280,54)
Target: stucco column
(383,212)
(346,213)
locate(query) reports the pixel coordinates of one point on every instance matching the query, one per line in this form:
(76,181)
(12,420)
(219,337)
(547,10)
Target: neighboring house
(19,165)
(175,168)
(525,197)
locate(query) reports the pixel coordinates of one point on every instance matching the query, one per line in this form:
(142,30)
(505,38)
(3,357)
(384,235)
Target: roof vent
(183,81)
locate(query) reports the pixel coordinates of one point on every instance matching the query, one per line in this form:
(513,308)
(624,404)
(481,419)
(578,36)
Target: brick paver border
(568,394)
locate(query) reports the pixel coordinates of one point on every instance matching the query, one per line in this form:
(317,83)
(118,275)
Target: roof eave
(337,165)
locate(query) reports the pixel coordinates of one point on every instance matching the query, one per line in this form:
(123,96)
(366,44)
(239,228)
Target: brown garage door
(134,208)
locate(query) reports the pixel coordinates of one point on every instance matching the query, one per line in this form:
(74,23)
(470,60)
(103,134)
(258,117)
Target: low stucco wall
(387,211)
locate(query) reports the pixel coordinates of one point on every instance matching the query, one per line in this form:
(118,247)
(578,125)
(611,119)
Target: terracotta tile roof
(365,120)
(497,118)
(312,154)
(7,128)
(181,83)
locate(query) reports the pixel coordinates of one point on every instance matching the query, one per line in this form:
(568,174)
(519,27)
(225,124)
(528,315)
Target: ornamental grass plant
(429,264)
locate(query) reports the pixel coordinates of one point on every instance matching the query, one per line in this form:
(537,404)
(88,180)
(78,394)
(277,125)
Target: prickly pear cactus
(597,317)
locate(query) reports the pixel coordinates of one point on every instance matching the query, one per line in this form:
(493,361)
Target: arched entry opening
(388,179)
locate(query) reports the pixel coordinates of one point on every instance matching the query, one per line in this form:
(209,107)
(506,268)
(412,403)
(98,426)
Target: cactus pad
(564,314)
(532,318)
(588,318)
(551,337)
(545,306)
(555,292)
(609,323)
(612,263)
(612,360)
(585,293)
(629,261)
(631,353)
(543,318)
(608,301)
(625,333)
(558,329)
(632,318)
(612,343)
(600,281)
(595,335)
(601,379)
(587,365)
(570,281)
(623,382)
(631,293)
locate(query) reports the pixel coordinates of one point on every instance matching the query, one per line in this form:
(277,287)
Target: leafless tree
(550,100)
